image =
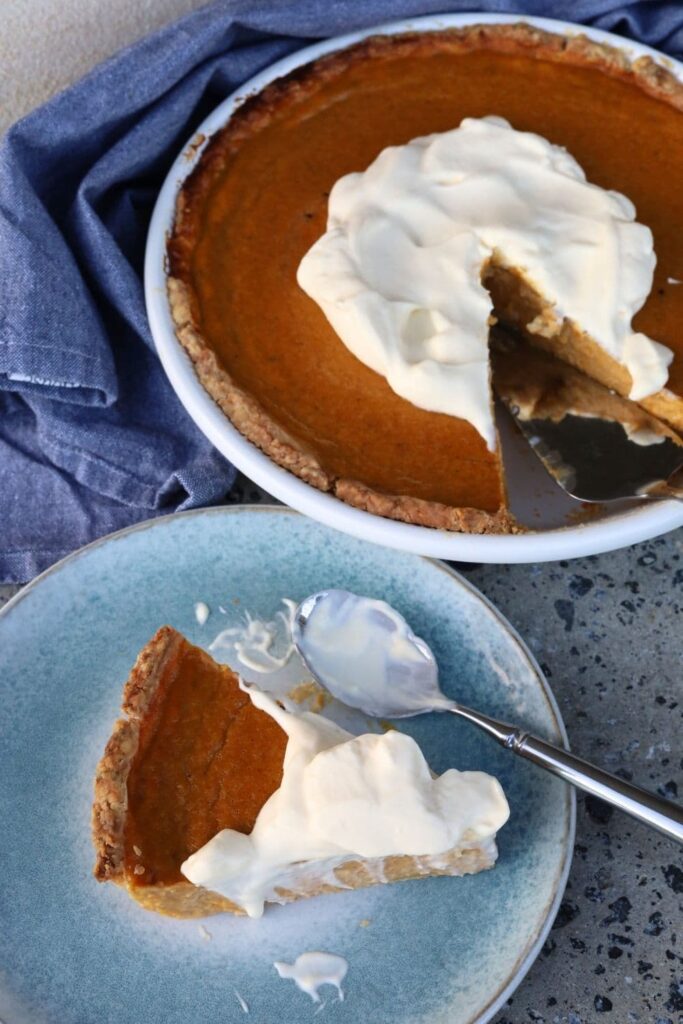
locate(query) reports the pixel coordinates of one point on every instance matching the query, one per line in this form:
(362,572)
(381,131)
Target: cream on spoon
(366,655)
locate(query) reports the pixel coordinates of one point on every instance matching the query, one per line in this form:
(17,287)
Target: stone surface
(608,633)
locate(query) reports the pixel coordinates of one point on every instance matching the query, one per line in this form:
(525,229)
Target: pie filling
(207,759)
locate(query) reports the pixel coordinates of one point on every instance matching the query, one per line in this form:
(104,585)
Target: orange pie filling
(207,759)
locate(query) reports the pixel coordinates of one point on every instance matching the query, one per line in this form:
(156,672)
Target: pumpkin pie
(194,756)
(257,201)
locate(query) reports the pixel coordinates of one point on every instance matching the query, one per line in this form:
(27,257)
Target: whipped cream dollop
(398,271)
(310,971)
(344,796)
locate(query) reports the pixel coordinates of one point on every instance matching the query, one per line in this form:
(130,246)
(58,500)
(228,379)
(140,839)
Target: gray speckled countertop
(608,633)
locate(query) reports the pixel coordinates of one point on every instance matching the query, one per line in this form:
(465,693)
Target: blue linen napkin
(92,437)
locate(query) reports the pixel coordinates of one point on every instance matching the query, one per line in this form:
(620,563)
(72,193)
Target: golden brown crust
(111,801)
(425,513)
(183,899)
(109,808)
(252,116)
(665,406)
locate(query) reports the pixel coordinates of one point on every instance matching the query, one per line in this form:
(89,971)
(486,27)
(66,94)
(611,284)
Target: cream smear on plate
(310,971)
(255,640)
(243,1004)
(261,651)
(201,612)
(398,271)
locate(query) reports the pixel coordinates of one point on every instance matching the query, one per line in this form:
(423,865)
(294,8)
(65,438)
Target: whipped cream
(312,970)
(342,797)
(398,271)
(643,436)
(254,640)
(201,612)
(367,655)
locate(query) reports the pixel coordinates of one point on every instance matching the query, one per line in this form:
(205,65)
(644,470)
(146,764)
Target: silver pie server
(410,686)
(598,446)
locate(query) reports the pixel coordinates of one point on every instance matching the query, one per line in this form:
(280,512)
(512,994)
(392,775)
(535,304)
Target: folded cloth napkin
(92,437)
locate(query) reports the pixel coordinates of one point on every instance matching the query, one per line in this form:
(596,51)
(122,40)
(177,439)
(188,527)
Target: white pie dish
(557,532)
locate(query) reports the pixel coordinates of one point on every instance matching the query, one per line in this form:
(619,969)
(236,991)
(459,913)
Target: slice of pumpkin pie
(212,797)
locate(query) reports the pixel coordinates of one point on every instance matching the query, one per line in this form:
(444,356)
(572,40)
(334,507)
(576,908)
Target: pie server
(598,446)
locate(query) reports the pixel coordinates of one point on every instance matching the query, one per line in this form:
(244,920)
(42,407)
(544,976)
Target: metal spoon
(388,672)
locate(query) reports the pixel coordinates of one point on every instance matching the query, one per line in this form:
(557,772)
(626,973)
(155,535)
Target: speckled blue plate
(75,952)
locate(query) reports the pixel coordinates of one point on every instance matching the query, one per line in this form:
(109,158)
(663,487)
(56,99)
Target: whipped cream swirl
(398,271)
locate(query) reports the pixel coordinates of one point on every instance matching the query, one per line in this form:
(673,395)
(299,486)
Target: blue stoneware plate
(75,952)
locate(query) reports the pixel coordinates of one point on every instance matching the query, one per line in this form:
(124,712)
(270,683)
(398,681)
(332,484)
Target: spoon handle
(654,810)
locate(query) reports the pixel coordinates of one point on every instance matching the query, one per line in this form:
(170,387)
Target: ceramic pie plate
(73,951)
(561,527)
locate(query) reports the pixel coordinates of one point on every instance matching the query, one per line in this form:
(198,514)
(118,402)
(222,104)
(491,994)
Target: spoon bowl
(366,655)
